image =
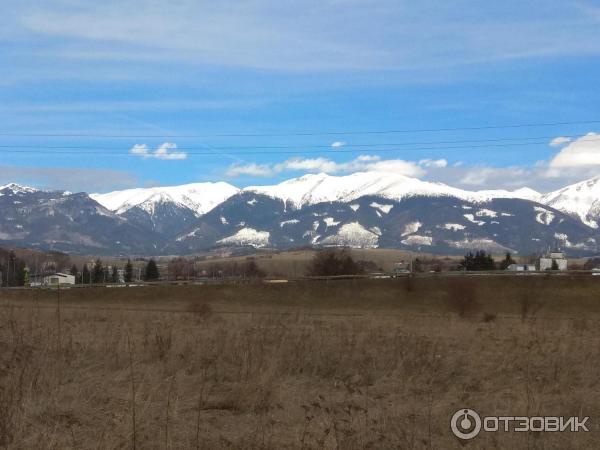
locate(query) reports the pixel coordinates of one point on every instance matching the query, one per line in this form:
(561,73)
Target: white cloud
(433,163)
(579,159)
(494,176)
(252,169)
(582,153)
(559,141)
(337,144)
(316,165)
(165,151)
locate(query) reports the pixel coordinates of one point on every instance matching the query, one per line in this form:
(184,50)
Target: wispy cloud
(337,144)
(67,178)
(316,165)
(252,169)
(319,35)
(558,141)
(166,151)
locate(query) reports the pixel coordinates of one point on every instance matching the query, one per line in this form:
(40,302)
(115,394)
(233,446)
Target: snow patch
(454,226)
(383,208)
(471,218)
(247,236)
(288,222)
(330,222)
(486,213)
(355,207)
(353,235)
(415,239)
(411,228)
(543,216)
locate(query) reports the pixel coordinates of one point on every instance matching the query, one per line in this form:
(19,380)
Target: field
(352,364)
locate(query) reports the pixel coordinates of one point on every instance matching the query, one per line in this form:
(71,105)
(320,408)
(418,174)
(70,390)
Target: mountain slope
(441,224)
(66,222)
(580,199)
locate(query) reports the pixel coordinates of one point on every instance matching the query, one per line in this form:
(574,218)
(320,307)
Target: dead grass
(337,365)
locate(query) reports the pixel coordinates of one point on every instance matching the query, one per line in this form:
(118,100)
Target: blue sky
(161,71)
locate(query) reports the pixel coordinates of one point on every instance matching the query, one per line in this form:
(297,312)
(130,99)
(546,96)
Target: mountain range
(364,209)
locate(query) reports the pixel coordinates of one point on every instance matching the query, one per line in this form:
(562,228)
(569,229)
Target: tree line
(100,273)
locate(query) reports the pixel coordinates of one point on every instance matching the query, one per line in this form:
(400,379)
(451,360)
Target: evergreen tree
(97,272)
(74,272)
(417,265)
(151,273)
(507,261)
(11,269)
(115,275)
(480,261)
(554,265)
(21,271)
(85,275)
(128,272)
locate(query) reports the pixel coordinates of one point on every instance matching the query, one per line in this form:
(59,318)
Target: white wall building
(59,279)
(559,257)
(521,267)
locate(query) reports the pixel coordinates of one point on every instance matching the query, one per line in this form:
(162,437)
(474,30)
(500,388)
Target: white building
(521,267)
(555,256)
(59,279)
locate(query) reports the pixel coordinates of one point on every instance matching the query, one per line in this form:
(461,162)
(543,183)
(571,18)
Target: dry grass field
(354,364)
(293,263)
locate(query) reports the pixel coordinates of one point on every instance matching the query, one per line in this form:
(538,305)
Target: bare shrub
(201,310)
(489,317)
(331,262)
(461,294)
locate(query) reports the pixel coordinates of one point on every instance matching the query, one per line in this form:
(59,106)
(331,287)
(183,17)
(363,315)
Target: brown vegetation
(350,364)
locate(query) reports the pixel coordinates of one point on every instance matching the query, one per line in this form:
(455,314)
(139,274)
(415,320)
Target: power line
(308,133)
(265,147)
(299,151)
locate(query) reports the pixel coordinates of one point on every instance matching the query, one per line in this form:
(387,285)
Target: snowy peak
(15,188)
(198,197)
(580,199)
(313,189)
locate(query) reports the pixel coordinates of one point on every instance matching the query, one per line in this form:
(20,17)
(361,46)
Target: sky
(98,96)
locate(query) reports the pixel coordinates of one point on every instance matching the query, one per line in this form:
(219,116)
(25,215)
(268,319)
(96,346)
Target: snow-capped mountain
(166,210)
(60,220)
(367,209)
(197,197)
(312,189)
(436,224)
(14,188)
(580,199)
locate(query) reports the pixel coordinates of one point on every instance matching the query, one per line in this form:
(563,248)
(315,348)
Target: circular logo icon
(465,424)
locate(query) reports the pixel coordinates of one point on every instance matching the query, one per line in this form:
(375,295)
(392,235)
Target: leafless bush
(461,294)
(200,310)
(489,317)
